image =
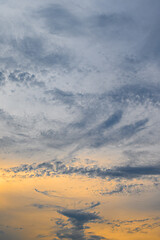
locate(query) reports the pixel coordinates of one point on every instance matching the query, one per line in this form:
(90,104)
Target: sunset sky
(79,120)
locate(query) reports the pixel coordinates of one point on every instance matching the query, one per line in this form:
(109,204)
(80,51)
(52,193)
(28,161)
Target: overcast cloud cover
(80,77)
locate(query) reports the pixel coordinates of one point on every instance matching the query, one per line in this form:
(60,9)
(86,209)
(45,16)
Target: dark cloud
(124,95)
(150,51)
(56,59)
(93,205)
(2,79)
(78,218)
(88,131)
(117,172)
(119,135)
(127,171)
(74,234)
(46,165)
(91,137)
(111,20)
(31,48)
(112,120)
(115,26)
(136,93)
(93,128)
(26,78)
(60,20)
(97,132)
(131,129)
(34,50)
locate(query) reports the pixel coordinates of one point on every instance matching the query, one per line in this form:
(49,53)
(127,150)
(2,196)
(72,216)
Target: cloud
(136,93)
(115,26)
(25,78)
(125,189)
(104,20)
(43,206)
(78,218)
(124,132)
(6,142)
(111,121)
(73,234)
(2,79)
(62,96)
(135,225)
(151,48)
(144,228)
(49,193)
(81,79)
(34,50)
(47,165)
(58,168)
(60,20)
(41,236)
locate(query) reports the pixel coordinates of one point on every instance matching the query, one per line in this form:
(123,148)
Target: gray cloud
(2,79)
(126,189)
(44,206)
(60,20)
(130,226)
(25,78)
(62,96)
(136,93)
(78,218)
(115,26)
(128,172)
(124,132)
(6,142)
(81,79)
(33,49)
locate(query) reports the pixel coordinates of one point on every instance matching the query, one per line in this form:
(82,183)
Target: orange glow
(32,205)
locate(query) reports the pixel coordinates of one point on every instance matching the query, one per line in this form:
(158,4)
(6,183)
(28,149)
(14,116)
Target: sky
(79,119)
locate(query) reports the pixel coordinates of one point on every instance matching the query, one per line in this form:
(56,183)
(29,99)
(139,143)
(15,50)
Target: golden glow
(29,206)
